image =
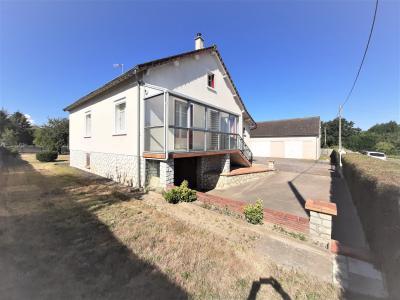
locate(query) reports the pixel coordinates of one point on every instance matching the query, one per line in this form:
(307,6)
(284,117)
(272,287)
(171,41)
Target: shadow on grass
(255,287)
(53,247)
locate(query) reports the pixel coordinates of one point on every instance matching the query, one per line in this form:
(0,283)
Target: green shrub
(254,213)
(172,196)
(46,156)
(181,193)
(8,151)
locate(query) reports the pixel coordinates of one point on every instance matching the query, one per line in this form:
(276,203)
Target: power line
(365,54)
(354,83)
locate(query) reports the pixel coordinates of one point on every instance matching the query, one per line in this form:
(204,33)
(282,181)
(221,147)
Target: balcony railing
(208,128)
(191,140)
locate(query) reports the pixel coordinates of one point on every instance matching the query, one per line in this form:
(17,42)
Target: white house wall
(188,76)
(293,147)
(111,155)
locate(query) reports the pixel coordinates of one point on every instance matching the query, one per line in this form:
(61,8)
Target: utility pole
(325,135)
(340,134)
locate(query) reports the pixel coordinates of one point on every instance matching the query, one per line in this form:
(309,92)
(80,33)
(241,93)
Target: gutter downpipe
(139,133)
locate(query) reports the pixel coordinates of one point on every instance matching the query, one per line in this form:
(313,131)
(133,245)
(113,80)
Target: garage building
(292,138)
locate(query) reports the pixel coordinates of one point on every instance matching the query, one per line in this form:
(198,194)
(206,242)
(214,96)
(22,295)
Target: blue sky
(287,58)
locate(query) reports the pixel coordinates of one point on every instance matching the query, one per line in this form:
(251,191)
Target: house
(179,117)
(292,138)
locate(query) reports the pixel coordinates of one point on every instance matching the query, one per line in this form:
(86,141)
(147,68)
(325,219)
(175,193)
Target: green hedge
(375,188)
(46,156)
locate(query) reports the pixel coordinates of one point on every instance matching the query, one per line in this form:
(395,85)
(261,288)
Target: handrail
(245,149)
(237,142)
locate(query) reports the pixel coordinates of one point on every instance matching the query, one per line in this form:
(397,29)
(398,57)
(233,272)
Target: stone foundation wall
(209,168)
(166,173)
(152,173)
(118,167)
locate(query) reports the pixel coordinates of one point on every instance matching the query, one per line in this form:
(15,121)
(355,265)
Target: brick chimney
(198,42)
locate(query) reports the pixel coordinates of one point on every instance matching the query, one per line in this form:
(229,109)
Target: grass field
(66,234)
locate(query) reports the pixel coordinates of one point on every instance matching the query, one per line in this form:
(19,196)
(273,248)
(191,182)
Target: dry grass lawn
(65,234)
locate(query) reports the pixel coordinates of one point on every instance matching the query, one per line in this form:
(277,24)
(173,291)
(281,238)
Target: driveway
(295,181)
(286,189)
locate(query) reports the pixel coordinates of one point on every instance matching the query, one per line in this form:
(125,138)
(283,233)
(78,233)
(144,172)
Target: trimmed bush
(374,185)
(181,193)
(254,213)
(46,156)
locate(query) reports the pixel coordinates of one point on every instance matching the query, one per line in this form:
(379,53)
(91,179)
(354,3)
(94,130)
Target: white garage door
(285,148)
(278,149)
(293,149)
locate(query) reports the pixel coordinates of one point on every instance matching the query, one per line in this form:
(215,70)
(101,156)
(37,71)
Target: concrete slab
(360,279)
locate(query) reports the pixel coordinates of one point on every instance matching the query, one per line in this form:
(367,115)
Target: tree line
(383,137)
(16,129)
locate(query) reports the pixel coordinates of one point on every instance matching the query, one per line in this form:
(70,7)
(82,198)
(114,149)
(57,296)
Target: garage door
(309,150)
(277,149)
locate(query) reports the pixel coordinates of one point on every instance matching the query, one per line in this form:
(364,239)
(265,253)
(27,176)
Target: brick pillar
(226,163)
(321,213)
(166,172)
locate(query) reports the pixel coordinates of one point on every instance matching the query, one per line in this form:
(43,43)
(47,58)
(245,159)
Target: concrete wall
(286,147)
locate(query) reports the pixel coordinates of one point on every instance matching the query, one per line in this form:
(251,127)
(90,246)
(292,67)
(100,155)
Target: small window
(210,80)
(120,120)
(88,124)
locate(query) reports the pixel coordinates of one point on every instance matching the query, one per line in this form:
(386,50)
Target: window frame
(116,103)
(213,80)
(85,127)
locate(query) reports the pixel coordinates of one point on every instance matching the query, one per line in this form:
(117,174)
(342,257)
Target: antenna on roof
(119,66)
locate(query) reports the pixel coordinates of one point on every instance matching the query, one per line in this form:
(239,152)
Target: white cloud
(29,119)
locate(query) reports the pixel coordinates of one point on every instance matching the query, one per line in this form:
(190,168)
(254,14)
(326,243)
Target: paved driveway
(288,188)
(292,184)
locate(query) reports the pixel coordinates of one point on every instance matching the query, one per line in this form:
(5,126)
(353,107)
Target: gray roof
(132,75)
(286,128)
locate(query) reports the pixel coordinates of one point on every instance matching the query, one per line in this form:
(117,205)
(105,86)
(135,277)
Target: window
(88,124)
(181,116)
(198,116)
(120,126)
(210,80)
(233,121)
(154,123)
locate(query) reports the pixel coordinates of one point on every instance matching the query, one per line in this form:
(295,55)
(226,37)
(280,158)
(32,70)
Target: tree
(22,128)
(332,131)
(8,137)
(53,135)
(385,147)
(4,120)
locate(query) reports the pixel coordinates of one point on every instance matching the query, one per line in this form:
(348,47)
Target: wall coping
(247,170)
(324,207)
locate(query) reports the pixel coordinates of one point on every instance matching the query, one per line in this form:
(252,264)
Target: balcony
(178,126)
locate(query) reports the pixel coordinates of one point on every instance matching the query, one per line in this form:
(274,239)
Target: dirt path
(65,234)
